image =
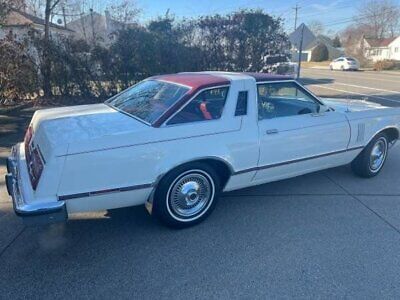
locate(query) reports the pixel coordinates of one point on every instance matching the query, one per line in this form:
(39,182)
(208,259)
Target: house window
(396,49)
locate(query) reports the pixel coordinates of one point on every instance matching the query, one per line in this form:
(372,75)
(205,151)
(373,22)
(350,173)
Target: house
(95,27)
(310,41)
(21,25)
(381,49)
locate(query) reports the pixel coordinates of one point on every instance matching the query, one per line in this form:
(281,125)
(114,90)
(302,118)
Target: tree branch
(54,4)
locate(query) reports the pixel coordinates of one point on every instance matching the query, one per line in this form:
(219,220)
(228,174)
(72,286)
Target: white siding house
(96,28)
(22,25)
(381,49)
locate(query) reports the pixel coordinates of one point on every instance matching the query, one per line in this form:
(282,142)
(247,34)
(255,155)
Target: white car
(345,64)
(175,142)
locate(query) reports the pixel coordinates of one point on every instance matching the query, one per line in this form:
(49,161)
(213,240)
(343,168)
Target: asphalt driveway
(326,234)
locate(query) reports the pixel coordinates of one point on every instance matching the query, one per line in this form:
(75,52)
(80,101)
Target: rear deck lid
(54,129)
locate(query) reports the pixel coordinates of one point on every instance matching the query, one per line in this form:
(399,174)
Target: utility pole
(300,51)
(296,9)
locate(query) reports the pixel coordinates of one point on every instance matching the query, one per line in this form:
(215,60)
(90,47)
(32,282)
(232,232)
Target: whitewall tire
(372,159)
(187,195)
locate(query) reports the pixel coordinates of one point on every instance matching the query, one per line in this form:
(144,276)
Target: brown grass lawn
(311,64)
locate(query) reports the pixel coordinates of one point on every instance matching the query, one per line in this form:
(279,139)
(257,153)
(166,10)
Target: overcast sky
(334,14)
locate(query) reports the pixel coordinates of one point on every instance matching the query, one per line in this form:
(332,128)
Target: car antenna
(347,103)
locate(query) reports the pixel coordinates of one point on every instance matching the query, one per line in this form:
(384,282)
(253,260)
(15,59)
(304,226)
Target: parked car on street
(175,142)
(345,64)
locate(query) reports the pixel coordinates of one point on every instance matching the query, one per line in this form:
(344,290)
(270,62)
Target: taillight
(35,167)
(27,141)
(33,159)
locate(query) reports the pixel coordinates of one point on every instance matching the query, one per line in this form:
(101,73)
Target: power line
(352,19)
(321,12)
(287,11)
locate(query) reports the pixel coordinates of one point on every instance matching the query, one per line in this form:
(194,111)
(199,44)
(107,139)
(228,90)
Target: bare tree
(316,27)
(46,68)
(352,40)
(379,17)
(36,7)
(126,12)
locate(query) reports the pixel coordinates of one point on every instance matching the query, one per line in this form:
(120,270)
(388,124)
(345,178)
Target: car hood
(56,128)
(346,105)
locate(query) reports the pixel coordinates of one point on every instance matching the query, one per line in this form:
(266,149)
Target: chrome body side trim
(102,192)
(295,161)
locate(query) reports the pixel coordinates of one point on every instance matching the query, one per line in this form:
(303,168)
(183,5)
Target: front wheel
(187,195)
(371,160)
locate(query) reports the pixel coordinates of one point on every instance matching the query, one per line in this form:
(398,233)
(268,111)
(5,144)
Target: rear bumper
(33,211)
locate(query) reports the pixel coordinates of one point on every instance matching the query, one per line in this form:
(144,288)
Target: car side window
(283,99)
(241,105)
(208,105)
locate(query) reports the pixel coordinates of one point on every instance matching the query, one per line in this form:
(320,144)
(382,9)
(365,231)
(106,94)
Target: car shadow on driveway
(258,245)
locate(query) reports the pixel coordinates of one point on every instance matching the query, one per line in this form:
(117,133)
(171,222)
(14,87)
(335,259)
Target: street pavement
(328,234)
(383,88)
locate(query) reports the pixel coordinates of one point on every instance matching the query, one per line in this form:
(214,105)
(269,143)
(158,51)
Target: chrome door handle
(272,131)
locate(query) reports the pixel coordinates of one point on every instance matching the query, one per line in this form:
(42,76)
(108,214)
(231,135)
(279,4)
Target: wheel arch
(222,167)
(391,131)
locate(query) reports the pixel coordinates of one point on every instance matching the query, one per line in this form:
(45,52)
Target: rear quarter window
(241,105)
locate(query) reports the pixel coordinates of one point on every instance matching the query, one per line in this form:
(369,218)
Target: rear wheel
(371,160)
(187,195)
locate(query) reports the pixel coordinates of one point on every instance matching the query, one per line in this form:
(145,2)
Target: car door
(334,64)
(297,133)
(340,64)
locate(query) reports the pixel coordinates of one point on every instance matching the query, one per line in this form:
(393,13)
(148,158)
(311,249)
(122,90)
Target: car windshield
(148,100)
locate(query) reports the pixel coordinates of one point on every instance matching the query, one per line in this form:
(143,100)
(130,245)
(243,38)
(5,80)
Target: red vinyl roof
(202,80)
(194,80)
(268,77)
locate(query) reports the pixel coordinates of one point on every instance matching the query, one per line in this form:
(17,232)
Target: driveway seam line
(366,206)
(12,241)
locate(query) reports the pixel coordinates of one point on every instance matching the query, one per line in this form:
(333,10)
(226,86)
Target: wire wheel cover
(190,193)
(378,154)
